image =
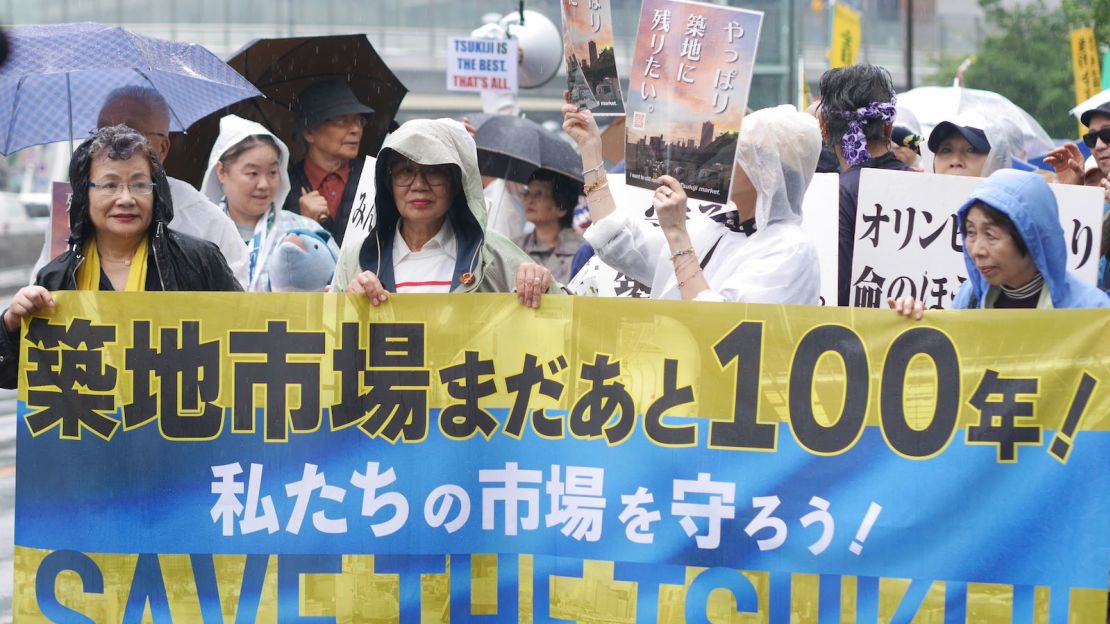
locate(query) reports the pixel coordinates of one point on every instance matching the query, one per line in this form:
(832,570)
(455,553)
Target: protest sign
(820,218)
(592,460)
(597,279)
(1085,65)
(61,195)
(481,64)
(688,91)
(592,78)
(846,33)
(364,211)
(908,240)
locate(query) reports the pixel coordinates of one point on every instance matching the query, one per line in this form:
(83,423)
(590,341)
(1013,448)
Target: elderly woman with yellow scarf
(119,238)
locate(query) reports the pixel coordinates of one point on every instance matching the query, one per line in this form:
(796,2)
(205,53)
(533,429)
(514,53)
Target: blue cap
(976,137)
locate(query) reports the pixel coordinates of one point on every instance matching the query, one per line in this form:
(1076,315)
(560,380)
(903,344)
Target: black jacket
(298,180)
(183,263)
(849,199)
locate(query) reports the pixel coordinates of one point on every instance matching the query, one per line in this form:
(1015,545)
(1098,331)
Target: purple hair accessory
(854,144)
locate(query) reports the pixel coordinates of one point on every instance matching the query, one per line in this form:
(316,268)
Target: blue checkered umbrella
(58,76)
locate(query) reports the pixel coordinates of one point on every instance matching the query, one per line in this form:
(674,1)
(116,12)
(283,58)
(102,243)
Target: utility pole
(909,44)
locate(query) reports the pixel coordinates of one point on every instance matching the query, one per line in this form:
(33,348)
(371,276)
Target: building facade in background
(411,35)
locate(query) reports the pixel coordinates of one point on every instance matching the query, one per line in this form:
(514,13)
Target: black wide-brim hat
(324,100)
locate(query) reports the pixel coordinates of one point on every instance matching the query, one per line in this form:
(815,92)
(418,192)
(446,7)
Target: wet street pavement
(7,500)
(7,489)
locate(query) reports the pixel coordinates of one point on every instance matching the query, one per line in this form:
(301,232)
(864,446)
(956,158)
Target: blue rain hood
(1028,201)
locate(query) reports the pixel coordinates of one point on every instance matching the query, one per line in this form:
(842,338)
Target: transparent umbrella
(932,105)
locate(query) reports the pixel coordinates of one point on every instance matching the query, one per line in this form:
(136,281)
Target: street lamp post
(909,44)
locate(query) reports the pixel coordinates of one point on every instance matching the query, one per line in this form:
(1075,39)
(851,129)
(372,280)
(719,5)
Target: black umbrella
(281,69)
(513,148)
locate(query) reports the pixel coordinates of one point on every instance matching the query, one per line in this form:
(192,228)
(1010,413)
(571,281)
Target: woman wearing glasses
(247,178)
(549,202)
(119,238)
(430,233)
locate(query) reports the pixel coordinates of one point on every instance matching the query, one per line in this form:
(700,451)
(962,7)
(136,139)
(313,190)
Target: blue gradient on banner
(959,516)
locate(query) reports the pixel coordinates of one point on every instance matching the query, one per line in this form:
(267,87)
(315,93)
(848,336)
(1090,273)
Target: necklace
(123,262)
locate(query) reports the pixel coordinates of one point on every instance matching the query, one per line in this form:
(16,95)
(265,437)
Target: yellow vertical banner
(1085,65)
(845,36)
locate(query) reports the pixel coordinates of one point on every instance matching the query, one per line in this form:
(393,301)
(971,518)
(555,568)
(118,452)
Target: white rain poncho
(276,223)
(778,149)
(1005,138)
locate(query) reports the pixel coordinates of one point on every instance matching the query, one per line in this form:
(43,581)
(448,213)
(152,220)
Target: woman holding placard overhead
(1014,250)
(759,254)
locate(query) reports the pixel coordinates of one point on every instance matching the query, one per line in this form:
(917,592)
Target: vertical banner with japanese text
(463,458)
(846,33)
(1085,64)
(908,241)
(592,79)
(691,74)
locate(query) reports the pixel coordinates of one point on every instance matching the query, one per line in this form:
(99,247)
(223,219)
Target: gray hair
(153,101)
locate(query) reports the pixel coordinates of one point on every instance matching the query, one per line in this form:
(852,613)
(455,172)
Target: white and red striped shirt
(429,270)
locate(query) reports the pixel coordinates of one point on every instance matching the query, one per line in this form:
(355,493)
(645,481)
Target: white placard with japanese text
(819,217)
(908,240)
(820,212)
(363,215)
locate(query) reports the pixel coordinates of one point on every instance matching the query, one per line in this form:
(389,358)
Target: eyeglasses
(113,189)
(344,121)
(1092,137)
(405,175)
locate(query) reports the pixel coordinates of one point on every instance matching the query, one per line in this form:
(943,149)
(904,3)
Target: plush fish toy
(302,262)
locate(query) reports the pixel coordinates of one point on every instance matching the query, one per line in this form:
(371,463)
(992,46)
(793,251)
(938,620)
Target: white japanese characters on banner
(908,241)
(688,90)
(481,65)
(820,214)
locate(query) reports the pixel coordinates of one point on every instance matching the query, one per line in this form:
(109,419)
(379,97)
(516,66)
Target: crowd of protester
(260,223)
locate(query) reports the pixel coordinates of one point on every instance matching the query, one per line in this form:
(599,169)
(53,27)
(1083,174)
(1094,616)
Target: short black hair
(846,89)
(1000,219)
(114,143)
(564,191)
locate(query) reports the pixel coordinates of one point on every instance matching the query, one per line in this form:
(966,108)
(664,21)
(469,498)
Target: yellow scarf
(88,274)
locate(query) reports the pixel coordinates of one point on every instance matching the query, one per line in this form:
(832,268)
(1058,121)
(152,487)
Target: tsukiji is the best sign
(908,240)
(689,84)
(481,65)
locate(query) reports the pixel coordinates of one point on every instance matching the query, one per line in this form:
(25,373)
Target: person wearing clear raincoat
(760,255)
(252,193)
(975,148)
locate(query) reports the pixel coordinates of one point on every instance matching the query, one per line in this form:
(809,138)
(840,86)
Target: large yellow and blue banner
(193,457)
